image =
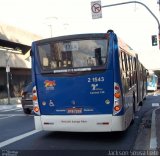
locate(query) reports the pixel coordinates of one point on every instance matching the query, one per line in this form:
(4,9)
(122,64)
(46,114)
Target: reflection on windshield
(73,54)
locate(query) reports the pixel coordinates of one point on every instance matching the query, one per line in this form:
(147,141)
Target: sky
(131,22)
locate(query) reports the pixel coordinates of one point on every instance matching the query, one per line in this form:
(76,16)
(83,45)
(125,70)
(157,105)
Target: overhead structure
(15,38)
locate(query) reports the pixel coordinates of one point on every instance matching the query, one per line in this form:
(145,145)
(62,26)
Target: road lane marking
(5,117)
(155,104)
(19,110)
(16,115)
(17,138)
(8,110)
(153,138)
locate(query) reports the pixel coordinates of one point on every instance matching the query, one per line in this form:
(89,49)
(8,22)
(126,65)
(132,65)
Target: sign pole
(8,88)
(7,71)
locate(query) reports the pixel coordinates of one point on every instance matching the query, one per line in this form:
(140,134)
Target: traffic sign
(96,9)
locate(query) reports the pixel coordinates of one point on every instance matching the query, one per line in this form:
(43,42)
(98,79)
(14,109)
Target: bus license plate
(74,110)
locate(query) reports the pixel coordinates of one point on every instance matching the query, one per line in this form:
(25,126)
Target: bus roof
(70,37)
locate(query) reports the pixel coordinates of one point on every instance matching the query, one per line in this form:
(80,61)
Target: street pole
(7,72)
(50,29)
(8,92)
(158,2)
(51,21)
(142,5)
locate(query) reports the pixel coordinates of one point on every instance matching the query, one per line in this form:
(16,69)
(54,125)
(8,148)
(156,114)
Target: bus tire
(27,111)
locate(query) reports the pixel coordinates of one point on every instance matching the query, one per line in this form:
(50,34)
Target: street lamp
(50,21)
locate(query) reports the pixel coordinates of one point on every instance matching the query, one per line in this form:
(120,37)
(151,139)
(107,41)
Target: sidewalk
(157,125)
(14,103)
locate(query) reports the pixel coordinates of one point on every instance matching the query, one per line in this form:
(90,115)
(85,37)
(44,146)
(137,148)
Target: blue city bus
(152,82)
(86,83)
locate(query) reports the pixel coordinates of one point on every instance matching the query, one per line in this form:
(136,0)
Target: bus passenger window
(53,64)
(59,63)
(91,61)
(69,63)
(98,56)
(67,58)
(45,62)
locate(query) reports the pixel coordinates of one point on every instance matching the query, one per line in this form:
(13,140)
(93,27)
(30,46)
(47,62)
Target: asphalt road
(19,137)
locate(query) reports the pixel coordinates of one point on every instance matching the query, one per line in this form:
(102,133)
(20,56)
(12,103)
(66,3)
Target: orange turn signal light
(117,108)
(36,109)
(117,95)
(34,98)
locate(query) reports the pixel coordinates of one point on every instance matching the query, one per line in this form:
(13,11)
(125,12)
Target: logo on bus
(96,90)
(49,84)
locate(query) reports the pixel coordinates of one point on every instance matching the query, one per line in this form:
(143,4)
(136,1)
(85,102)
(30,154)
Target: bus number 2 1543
(96,79)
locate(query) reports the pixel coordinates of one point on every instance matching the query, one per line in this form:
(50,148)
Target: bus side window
(130,71)
(120,62)
(133,71)
(123,64)
(125,76)
(126,66)
(122,69)
(127,71)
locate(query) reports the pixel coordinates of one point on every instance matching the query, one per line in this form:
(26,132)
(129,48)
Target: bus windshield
(73,54)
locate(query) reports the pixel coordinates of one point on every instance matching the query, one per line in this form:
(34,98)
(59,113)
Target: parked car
(26,100)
